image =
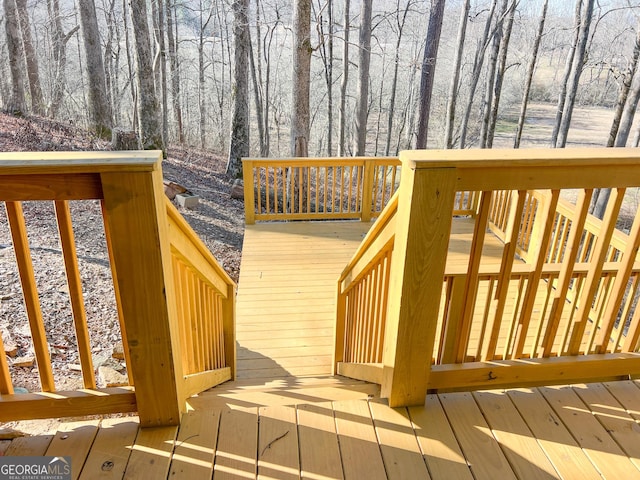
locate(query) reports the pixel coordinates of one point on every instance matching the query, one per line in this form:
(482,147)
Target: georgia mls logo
(35,468)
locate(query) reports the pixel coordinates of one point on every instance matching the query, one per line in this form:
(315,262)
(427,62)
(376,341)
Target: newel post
(249,192)
(136,216)
(423,226)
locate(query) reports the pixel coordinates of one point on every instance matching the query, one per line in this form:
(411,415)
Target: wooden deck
(286,302)
(286,418)
(580,432)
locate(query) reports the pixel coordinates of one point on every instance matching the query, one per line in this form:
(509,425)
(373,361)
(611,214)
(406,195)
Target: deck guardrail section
(318,188)
(558,303)
(363,290)
(175,303)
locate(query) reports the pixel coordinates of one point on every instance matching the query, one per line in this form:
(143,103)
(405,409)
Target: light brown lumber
(361,457)
(135,203)
(398,444)
(480,448)
(423,225)
(519,445)
(34,446)
(438,442)
(613,417)
(111,449)
(151,453)
(236,452)
(318,440)
(628,394)
(31,299)
(557,442)
(196,445)
(603,451)
(74,439)
(74,282)
(278,444)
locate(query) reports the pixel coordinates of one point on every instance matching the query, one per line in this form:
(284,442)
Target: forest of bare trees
(321,77)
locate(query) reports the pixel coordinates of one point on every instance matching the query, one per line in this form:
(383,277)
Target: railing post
(367,190)
(339,332)
(249,192)
(229,329)
(423,226)
(135,212)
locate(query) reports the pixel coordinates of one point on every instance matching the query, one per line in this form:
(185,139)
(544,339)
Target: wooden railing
(555,302)
(174,302)
(318,188)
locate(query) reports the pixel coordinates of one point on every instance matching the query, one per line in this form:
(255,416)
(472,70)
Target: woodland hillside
(327,77)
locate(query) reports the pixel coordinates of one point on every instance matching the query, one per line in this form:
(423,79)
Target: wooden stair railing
(318,188)
(559,306)
(175,304)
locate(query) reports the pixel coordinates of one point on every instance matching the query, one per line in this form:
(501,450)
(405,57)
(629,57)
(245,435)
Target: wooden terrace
(483,326)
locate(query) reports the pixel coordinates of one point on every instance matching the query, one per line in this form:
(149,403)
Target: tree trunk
(161,64)
(492,67)
(256,96)
(502,66)
(436,16)
(175,74)
(58,43)
(530,70)
(201,83)
(455,79)
(239,144)
(562,96)
(627,79)
(344,83)
(326,54)
(99,107)
(394,82)
(364,62)
(14,46)
(33,74)
(475,74)
(301,78)
(576,72)
(148,109)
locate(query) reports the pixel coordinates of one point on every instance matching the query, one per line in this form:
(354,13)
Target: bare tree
(342,120)
(160,63)
(14,46)
(500,71)
(364,62)
(576,72)
(455,78)
(625,87)
(148,109)
(400,23)
(529,79)
(99,107)
(436,16)
(175,74)
(483,43)
(59,41)
(562,96)
(33,74)
(239,144)
(301,78)
(326,53)
(491,73)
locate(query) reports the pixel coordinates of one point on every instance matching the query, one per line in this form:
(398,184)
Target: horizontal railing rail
(556,302)
(174,303)
(318,188)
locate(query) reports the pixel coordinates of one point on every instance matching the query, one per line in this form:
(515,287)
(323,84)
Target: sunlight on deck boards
(580,432)
(287,292)
(286,296)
